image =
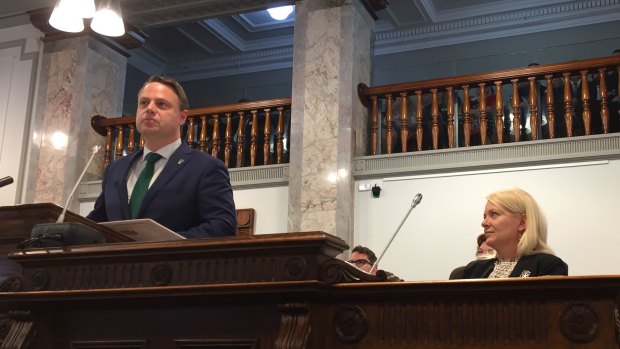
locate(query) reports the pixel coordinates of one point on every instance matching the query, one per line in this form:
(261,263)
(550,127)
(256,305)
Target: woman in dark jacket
(516,228)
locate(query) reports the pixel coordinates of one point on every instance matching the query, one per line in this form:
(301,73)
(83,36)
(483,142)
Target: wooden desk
(286,291)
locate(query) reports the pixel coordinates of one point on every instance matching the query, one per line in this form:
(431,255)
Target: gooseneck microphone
(416,200)
(64,234)
(6,181)
(95,149)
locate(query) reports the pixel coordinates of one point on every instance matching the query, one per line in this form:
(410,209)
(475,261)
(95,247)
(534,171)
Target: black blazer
(538,264)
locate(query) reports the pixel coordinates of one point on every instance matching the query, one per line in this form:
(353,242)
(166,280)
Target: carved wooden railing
(538,102)
(241,134)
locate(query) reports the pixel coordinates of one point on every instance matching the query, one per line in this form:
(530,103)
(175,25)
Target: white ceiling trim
(216,27)
(575,12)
(443,39)
(252,27)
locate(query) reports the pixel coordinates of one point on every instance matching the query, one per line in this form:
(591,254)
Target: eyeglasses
(359,262)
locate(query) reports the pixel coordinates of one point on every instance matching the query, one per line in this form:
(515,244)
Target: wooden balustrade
(204,128)
(494,108)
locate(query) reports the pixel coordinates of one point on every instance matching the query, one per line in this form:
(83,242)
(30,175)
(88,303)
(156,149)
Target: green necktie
(142,185)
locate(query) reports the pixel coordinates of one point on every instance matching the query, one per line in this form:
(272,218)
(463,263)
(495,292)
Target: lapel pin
(180,162)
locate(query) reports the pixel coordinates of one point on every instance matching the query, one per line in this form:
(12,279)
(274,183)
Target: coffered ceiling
(194,39)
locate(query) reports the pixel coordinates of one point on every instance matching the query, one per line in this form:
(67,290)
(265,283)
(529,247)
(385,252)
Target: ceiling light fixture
(109,19)
(68,14)
(280,13)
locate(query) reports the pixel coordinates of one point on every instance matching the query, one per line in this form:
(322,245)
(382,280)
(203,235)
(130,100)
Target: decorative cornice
(450,31)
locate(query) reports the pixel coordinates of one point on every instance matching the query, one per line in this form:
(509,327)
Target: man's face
(485,251)
(361,261)
(159,117)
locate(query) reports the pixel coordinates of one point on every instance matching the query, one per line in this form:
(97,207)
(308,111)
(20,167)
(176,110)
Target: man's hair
(365,250)
(174,85)
(481,238)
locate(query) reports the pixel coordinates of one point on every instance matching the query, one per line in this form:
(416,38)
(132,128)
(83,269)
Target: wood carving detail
(579,323)
(41,280)
(296,268)
(294,326)
(161,275)
(16,329)
(335,271)
(12,284)
(350,324)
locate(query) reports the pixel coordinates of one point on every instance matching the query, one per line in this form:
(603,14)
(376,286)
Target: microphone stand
(95,149)
(416,200)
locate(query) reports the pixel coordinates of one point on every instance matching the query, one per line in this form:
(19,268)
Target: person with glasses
(364,258)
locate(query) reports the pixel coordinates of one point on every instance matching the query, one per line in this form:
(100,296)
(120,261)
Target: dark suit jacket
(538,264)
(191,196)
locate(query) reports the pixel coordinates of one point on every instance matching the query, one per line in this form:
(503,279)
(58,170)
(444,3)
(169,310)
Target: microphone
(6,181)
(65,234)
(416,200)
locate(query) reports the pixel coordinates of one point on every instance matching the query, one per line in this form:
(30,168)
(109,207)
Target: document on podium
(143,230)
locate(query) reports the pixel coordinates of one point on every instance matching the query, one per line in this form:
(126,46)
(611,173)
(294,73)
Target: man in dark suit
(186,190)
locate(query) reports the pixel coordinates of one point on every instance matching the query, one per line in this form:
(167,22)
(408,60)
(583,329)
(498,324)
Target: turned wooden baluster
(482,107)
(228,139)
(533,107)
(499,112)
(141,142)
(280,134)
(389,121)
(253,137)
(516,110)
(189,139)
(466,116)
(435,119)
(240,139)
(215,135)
(450,111)
(107,157)
(550,106)
(267,138)
(131,142)
(585,98)
(374,127)
(603,94)
(202,136)
(568,115)
(419,131)
(119,141)
(404,132)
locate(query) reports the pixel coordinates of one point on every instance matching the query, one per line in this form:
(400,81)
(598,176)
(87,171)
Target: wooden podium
(285,291)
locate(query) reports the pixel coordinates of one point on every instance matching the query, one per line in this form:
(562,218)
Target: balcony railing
(543,102)
(241,134)
(525,104)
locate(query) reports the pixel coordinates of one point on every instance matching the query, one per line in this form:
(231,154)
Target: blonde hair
(517,201)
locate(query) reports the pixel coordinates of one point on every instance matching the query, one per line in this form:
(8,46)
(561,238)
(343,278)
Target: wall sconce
(375,191)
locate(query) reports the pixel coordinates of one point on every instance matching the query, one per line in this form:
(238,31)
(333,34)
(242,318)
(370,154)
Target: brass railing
(537,102)
(241,134)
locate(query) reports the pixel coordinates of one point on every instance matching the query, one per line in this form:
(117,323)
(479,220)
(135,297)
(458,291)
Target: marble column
(79,77)
(332,54)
